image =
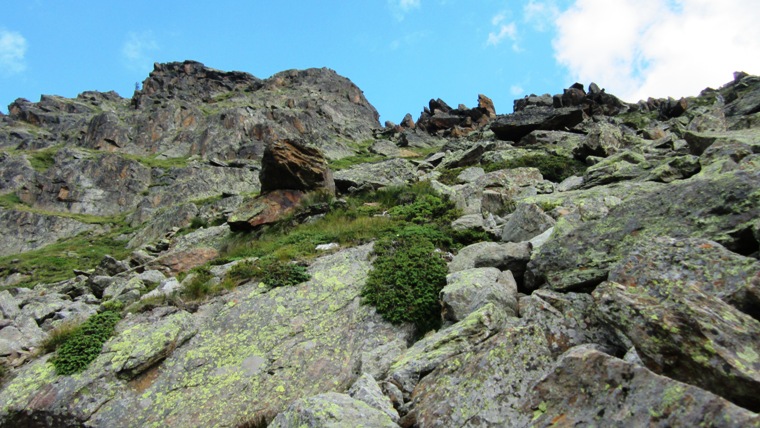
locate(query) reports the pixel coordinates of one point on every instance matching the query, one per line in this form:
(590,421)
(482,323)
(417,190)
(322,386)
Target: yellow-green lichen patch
(27,383)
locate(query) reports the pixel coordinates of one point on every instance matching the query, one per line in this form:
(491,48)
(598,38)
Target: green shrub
(553,167)
(276,273)
(85,343)
(198,287)
(449,176)
(405,281)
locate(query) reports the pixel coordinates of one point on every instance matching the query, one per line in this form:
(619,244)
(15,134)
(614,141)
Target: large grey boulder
(527,222)
(367,390)
(468,290)
(504,256)
(590,388)
(391,172)
(331,410)
(281,345)
(718,207)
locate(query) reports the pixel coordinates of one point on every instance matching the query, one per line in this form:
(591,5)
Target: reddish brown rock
(265,209)
(186,260)
(292,165)
(486,104)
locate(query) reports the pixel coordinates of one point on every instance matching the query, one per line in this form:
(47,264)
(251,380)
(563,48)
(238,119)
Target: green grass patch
(56,262)
(158,162)
(59,335)
(41,160)
(363,155)
(552,167)
(10,201)
(83,345)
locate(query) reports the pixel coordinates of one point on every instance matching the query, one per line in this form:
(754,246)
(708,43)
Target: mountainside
(224,250)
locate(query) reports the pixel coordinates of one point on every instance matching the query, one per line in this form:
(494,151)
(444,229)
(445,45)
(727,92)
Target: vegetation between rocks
(83,345)
(552,167)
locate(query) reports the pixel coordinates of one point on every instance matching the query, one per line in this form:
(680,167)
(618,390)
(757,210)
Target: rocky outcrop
(294,166)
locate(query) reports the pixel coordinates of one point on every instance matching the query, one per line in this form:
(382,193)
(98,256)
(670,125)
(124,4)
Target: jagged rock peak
(193,80)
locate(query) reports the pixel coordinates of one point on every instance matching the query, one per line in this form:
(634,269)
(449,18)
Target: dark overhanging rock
(515,126)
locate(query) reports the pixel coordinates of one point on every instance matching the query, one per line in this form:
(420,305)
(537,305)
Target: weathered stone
(483,385)
(367,390)
(292,165)
(677,168)
(567,320)
(625,165)
(331,410)
(470,174)
(720,207)
(393,172)
(436,349)
(503,256)
(469,221)
(515,126)
(21,230)
(683,333)
(265,209)
(142,342)
(587,387)
(159,225)
(486,104)
(468,290)
(528,221)
(109,266)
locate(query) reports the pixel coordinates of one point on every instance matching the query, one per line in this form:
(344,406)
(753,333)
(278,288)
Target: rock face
(625,294)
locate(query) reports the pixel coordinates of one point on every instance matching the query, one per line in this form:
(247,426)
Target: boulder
(392,172)
(468,290)
(367,390)
(587,387)
(331,410)
(686,334)
(515,126)
(527,222)
(24,231)
(717,207)
(504,256)
(292,165)
(265,209)
(483,385)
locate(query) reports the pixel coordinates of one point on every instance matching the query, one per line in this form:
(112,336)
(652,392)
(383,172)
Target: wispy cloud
(400,8)
(641,48)
(516,90)
(541,14)
(409,40)
(504,30)
(12,52)
(137,48)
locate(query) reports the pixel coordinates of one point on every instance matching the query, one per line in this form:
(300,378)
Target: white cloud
(12,52)
(659,48)
(516,90)
(401,7)
(137,48)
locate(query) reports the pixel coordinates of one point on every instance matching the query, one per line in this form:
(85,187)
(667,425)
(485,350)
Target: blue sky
(400,52)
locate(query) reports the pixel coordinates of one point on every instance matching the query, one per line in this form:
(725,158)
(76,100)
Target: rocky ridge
(621,288)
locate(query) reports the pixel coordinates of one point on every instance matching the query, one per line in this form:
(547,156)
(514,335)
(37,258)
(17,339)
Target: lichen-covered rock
(468,290)
(483,385)
(331,410)
(392,172)
(720,273)
(528,221)
(142,342)
(435,349)
(567,320)
(717,207)
(504,256)
(590,388)
(367,390)
(683,333)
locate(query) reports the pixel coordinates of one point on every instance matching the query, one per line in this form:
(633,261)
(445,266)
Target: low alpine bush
(85,343)
(405,281)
